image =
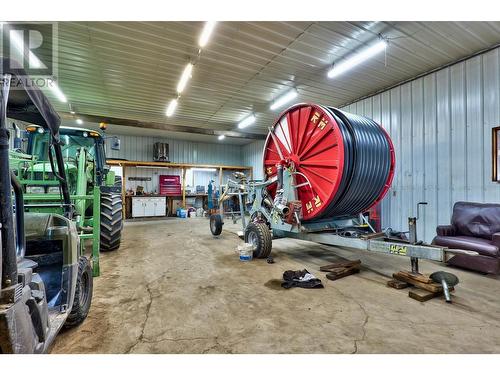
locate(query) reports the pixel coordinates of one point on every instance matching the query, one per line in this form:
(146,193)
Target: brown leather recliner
(476,227)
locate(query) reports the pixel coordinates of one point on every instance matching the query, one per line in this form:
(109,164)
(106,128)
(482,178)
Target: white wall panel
(198,178)
(441,128)
(430,175)
(153,173)
(141,148)
(252,156)
(491,117)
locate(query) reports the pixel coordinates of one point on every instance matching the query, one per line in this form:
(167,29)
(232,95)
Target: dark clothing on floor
(300,279)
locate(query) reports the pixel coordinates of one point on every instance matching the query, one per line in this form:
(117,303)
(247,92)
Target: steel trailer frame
(252,195)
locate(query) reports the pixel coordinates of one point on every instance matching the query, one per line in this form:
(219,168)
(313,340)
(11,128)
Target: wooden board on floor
(342,264)
(423,295)
(415,280)
(396,284)
(335,275)
(417,276)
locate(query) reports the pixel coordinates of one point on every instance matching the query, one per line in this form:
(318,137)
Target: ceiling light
(290,95)
(204,169)
(246,121)
(357,59)
(171,107)
(79,121)
(205,34)
(186,74)
(221,137)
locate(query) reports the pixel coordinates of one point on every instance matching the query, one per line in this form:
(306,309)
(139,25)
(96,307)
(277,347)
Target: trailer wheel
(83,294)
(259,235)
(111,221)
(216,224)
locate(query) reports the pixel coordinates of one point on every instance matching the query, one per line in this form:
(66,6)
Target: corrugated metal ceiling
(131,69)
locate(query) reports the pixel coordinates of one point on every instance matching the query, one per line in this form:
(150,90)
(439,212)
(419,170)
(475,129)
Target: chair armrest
(445,230)
(495,239)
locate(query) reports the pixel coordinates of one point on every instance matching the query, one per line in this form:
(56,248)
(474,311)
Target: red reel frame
(307,137)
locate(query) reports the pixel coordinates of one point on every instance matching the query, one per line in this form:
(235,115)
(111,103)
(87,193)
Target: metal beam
(160,126)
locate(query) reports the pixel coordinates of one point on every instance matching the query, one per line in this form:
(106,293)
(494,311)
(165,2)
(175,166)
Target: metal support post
(242,210)
(96,231)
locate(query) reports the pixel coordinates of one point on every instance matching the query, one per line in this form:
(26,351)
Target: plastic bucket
(245,252)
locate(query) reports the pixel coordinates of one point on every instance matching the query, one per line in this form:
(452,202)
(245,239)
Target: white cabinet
(138,207)
(148,206)
(159,206)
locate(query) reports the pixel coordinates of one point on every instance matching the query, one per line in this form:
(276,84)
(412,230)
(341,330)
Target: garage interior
(190,116)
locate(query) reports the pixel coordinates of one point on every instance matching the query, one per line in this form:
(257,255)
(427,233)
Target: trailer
(324,169)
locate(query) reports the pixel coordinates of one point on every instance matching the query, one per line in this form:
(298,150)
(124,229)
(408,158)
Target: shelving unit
(184,166)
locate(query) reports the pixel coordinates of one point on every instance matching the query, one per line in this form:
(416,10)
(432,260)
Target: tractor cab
(46,282)
(74,142)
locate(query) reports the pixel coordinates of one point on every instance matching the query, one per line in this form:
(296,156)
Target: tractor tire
(83,294)
(259,235)
(111,221)
(216,224)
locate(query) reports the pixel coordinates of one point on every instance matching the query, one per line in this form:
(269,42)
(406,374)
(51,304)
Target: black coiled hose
(367,165)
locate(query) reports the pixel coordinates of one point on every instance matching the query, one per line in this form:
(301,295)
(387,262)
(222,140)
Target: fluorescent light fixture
(186,74)
(79,121)
(171,107)
(221,137)
(204,169)
(290,95)
(357,59)
(205,34)
(249,120)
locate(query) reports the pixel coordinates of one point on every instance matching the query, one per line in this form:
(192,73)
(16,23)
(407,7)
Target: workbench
(184,166)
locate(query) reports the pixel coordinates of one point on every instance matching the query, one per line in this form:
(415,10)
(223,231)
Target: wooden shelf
(183,166)
(153,164)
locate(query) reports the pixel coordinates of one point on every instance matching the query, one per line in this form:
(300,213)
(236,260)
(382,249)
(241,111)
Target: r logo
(29,46)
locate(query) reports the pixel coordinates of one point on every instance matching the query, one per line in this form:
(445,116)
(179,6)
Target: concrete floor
(173,288)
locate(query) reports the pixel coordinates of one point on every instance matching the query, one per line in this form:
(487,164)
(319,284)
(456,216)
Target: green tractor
(94,189)
(46,279)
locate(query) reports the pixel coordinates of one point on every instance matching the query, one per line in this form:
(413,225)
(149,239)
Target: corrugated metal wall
(198,178)
(441,126)
(141,148)
(153,173)
(252,156)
